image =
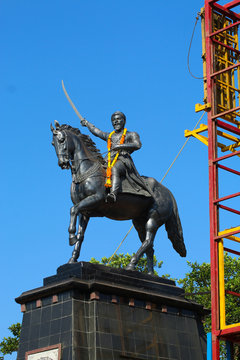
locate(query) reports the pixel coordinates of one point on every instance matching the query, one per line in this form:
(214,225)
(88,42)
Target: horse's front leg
(83,221)
(72,226)
(88,203)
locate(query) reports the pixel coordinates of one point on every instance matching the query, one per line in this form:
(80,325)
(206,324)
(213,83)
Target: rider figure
(131,143)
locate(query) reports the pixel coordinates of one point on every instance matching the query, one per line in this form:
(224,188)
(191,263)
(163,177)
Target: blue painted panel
(209,346)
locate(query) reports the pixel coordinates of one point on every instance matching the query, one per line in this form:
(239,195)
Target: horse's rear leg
(150,253)
(83,221)
(151,227)
(140,227)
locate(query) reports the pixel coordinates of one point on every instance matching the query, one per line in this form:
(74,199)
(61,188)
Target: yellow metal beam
(221,285)
(233,238)
(230,326)
(195,133)
(227,231)
(231,147)
(228,136)
(204,107)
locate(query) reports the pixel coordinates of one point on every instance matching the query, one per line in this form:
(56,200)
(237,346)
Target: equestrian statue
(112,187)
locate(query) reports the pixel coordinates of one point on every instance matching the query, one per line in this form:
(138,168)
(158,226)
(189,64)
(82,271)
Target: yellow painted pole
(221,285)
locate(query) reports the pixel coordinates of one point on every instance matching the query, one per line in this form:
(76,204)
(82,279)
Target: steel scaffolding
(221,70)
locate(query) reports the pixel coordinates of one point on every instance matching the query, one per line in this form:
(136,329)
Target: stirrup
(111,198)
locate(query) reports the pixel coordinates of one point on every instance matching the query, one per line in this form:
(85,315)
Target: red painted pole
(213,184)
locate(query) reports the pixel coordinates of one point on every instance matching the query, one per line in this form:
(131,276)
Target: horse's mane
(86,140)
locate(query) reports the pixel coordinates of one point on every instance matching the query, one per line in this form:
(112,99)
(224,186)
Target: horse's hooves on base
(130,267)
(72,261)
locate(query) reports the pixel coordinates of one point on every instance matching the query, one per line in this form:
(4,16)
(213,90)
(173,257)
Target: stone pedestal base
(93,312)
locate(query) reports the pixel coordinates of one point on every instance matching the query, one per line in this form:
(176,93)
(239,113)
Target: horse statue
(88,192)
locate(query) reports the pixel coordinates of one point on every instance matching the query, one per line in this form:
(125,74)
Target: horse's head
(63,145)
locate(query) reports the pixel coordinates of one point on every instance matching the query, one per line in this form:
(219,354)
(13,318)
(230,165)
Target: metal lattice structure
(221,70)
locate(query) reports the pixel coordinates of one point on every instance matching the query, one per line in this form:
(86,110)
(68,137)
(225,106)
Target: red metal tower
(221,58)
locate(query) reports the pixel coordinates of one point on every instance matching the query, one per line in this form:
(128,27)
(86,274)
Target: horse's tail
(174,230)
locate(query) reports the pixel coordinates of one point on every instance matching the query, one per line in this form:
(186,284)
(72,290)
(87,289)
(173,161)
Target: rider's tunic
(124,168)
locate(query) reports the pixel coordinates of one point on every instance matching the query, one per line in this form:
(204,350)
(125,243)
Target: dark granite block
(163,350)
(34,344)
(26,319)
(98,354)
(67,295)
(21,352)
(129,344)
(105,340)
(172,338)
(47,301)
(106,354)
(44,329)
(57,311)
(99,329)
(34,332)
(174,351)
(66,338)
(46,314)
(81,354)
(67,308)
(44,341)
(114,326)
(54,339)
(181,323)
(24,335)
(81,339)
(30,305)
(66,324)
(185,353)
(67,353)
(116,342)
(104,325)
(36,316)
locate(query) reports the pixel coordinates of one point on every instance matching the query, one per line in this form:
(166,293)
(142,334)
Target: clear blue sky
(112,55)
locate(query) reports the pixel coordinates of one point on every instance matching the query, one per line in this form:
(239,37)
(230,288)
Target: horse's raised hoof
(72,239)
(72,261)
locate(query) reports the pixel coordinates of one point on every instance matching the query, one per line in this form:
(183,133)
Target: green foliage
(10,344)
(197,282)
(197,285)
(120,261)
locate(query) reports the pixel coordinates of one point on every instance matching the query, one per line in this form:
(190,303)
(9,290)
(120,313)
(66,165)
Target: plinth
(93,312)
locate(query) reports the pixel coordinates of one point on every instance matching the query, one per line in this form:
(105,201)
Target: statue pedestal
(93,312)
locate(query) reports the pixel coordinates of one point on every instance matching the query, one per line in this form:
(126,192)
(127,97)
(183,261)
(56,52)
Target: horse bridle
(78,178)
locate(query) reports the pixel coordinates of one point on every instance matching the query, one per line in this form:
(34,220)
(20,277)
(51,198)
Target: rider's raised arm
(94,130)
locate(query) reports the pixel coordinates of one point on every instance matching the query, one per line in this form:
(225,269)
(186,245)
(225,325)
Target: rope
(160,183)
(190,45)
(119,245)
(181,148)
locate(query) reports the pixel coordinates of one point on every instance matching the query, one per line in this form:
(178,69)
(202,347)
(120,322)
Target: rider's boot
(111,198)
(116,182)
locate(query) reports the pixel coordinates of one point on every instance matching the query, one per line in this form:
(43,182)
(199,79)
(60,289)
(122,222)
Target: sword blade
(71,103)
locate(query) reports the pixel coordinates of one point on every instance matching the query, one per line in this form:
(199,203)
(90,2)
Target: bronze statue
(119,163)
(119,193)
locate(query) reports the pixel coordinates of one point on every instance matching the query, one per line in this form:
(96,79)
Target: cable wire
(189,49)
